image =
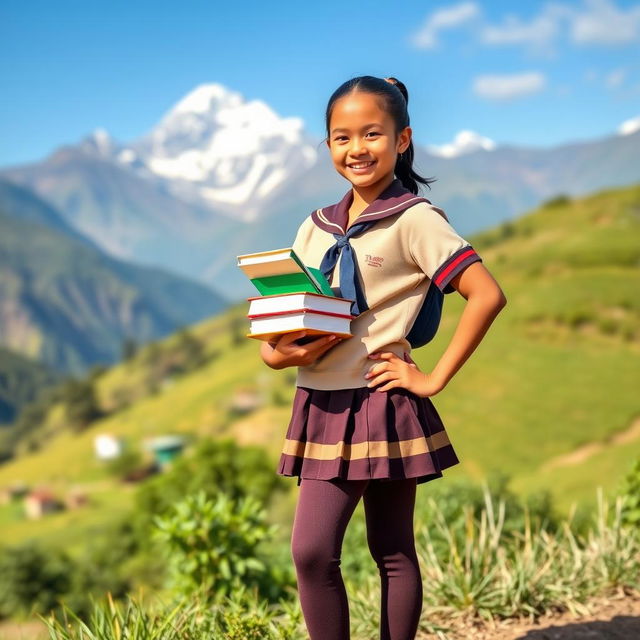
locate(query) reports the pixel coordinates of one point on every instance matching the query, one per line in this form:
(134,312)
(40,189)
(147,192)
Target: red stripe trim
(289,312)
(453,265)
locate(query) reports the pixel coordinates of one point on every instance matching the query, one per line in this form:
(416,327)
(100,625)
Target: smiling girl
(362,424)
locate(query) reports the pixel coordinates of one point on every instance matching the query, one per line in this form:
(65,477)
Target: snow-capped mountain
(463,143)
(216,149)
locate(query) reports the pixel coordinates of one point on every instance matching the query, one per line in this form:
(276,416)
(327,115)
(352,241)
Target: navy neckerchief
(335,218)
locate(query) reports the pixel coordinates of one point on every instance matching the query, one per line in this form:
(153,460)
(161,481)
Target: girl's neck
(364,196)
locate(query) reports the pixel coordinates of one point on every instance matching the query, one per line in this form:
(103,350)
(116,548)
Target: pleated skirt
(355,434)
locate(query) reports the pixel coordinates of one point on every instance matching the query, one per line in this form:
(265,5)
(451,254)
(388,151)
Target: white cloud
(629,126)
(615,78)
(594,22)
(538,33)
(464,142)
(508,86)
(448,18)
(602,22)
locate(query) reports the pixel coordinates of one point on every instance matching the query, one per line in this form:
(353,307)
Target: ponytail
(395,98)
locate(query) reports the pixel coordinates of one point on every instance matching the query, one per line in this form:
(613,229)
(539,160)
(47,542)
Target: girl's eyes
(371,133)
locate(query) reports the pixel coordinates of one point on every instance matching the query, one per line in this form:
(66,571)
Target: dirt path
(586,451)
(613,618)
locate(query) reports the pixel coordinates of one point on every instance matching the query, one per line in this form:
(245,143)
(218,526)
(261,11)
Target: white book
(261,305)
(270,326)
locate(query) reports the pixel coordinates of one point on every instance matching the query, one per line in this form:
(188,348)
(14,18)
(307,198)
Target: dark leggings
(323,511)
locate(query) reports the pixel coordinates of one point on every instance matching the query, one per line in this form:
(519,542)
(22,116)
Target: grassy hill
(550,396)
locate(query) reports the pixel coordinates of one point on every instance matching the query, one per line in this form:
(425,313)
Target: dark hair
(394,98)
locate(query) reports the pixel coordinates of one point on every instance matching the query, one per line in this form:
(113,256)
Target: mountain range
(219,176)
(68,304)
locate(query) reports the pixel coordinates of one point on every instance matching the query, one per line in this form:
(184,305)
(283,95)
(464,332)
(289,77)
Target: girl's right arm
(286,353)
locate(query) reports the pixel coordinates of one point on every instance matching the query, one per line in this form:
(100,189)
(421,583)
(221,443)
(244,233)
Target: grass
(473,571)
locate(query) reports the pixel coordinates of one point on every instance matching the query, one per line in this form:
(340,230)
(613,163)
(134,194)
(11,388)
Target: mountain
(68,304)
(219,176)
(215,149)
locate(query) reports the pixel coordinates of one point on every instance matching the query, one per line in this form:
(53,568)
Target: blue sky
(534,73)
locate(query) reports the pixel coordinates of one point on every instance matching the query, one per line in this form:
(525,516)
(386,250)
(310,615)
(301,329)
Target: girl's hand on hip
(396,372)
(287,353)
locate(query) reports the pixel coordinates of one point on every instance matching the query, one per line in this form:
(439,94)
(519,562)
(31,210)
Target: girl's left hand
(400,373)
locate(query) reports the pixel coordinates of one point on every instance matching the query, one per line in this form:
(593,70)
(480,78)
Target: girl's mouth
(361,167)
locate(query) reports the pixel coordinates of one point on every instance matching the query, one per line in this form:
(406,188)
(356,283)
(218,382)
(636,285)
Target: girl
(362,423)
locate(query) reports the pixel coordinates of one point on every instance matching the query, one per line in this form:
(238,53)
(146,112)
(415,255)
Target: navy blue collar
(394,199)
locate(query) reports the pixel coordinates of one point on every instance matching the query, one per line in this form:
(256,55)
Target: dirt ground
(613,618)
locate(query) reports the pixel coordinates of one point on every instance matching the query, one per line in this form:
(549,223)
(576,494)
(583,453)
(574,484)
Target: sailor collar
(396,198)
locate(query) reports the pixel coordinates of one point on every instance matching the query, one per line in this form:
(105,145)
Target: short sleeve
(301,235)
(438,249)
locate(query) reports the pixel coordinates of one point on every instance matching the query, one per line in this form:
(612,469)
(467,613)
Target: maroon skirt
(355,434)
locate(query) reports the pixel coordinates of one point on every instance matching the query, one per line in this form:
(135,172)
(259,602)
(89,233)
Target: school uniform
(339,427)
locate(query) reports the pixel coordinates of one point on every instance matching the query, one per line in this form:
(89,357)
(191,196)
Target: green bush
(35,579)
(631,496)
(32,579)
(561,200)
(214,545)
(215,466)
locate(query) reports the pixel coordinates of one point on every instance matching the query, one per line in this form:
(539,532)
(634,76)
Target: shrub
(32,579)
(215,466)
(560,200)
(631,496)
(213,545)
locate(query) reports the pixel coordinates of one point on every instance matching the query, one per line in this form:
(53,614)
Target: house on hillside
(40,502)
(165,449)
(245,401)
(13,492)
(107,446)
(76,498)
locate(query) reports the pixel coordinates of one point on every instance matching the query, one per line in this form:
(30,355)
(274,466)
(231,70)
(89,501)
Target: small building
(165,449)
(40,502)
(246,400)
(107,446)
(13,492)
(76,499)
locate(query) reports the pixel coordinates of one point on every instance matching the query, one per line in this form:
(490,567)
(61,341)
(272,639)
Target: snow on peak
(206,97)
(219,149)
(464,142)
(629,126)
(99,142)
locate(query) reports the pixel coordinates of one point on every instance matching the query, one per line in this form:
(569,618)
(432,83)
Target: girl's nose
(357,146)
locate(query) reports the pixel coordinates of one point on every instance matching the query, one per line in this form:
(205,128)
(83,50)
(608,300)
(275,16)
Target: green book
(281,271)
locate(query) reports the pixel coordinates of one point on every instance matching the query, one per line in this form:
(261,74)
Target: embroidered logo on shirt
(373,261)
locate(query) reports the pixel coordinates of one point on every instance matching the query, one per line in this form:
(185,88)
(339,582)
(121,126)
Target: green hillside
(549,397)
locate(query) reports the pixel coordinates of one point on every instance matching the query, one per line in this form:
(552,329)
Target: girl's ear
(404,139)
(327,141)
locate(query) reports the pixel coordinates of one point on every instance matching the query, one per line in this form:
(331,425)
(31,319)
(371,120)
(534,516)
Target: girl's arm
(485,299)
(286,353)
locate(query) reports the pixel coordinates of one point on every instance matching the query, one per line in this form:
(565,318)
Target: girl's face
(363,142)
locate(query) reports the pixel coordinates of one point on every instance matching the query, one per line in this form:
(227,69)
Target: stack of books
(292,297)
